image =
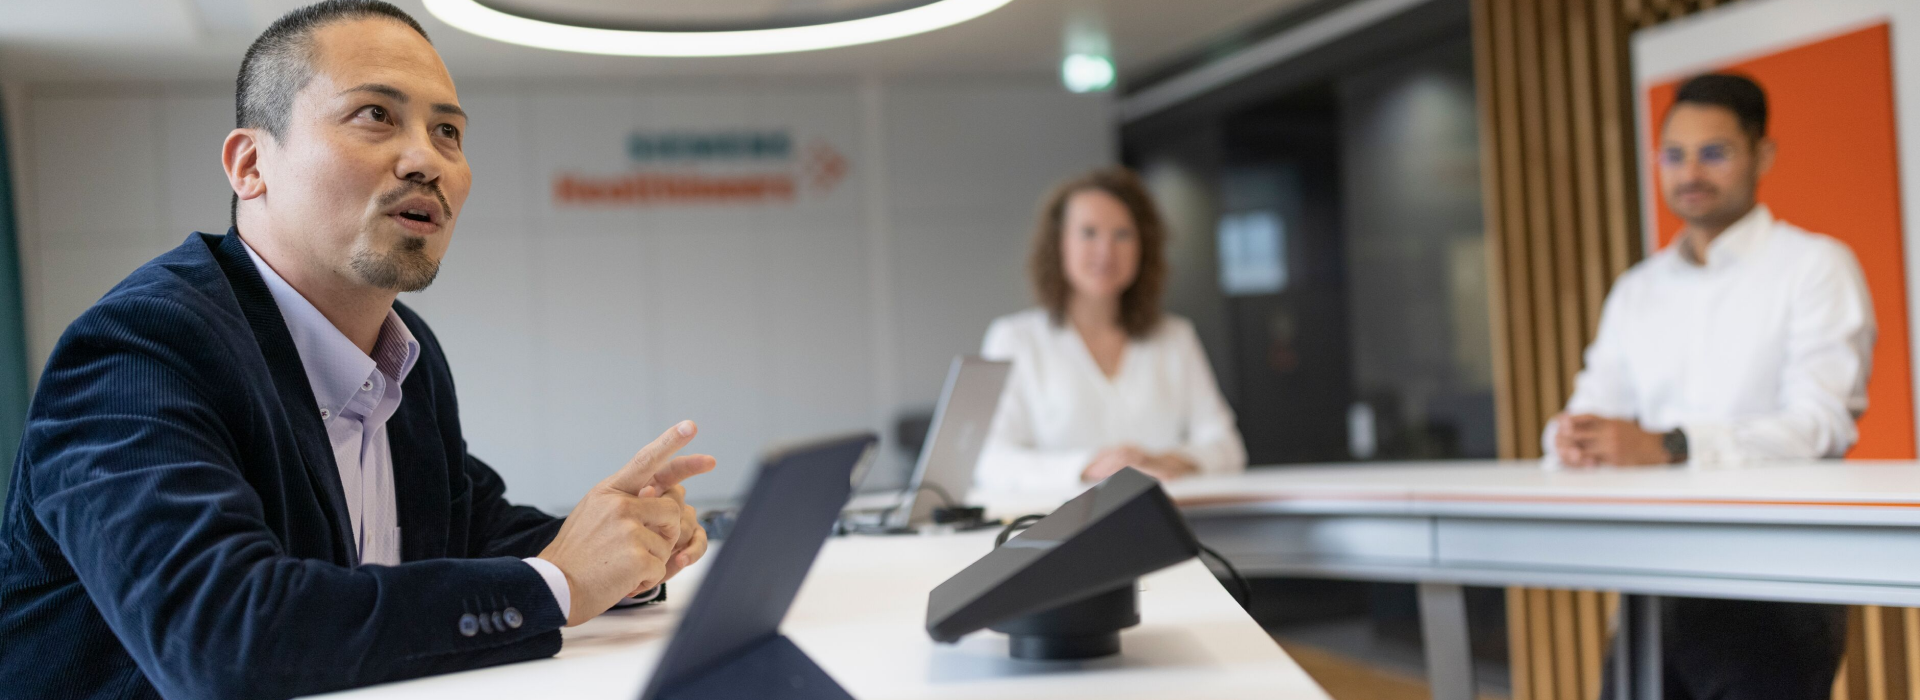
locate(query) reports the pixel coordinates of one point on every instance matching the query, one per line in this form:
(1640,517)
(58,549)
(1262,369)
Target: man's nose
(419,161)
(1696,168)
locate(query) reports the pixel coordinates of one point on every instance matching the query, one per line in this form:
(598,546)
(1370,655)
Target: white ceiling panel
(203,39)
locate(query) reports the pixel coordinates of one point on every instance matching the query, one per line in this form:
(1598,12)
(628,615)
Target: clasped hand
(633,530)
(1159,466)
(1592,441)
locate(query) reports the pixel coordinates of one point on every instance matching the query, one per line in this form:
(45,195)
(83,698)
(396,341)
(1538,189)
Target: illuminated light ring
(475,18)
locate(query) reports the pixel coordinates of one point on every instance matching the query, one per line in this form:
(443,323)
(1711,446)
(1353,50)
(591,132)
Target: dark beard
(405,268)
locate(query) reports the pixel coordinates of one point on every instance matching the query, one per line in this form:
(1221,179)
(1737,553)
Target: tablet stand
(772,668)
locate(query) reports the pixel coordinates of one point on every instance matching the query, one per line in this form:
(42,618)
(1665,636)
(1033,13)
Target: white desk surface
(862,616)
(1811,491)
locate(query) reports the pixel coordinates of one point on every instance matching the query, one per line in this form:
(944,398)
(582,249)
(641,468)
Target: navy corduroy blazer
(176,527)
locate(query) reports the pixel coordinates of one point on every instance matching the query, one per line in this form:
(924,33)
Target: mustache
(1693,187)
(413,187)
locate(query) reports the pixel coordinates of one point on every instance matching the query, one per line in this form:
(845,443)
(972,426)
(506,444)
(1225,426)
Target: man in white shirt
(1749,339)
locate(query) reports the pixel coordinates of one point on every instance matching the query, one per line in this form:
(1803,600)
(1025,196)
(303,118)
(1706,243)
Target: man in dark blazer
(243,473)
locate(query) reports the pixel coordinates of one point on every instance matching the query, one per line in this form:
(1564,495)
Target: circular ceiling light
(475,17)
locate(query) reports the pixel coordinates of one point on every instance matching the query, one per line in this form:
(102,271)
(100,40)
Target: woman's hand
(1163,466)
(1111,460)
(1167,466)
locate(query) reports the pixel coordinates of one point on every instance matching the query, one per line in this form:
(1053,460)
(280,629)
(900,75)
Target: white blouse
(1059,409)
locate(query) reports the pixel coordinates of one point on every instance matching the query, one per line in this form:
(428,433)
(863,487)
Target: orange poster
(1831,110)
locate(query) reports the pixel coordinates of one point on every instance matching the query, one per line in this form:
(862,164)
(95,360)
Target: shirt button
(512,618)
(366,385)
(469,625)
(326,413)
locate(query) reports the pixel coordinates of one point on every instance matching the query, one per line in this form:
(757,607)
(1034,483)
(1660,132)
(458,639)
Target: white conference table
(862,616)
(1825,532)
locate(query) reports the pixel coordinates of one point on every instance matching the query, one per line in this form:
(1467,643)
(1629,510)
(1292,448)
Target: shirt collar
(1741,238)
(336,367)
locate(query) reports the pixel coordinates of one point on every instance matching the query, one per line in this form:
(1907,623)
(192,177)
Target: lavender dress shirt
(357,394)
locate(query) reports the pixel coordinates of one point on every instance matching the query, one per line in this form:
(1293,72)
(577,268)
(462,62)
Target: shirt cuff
(556,582)
(1711,446)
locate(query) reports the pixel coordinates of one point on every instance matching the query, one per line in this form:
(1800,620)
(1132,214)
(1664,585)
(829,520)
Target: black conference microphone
(1065,587)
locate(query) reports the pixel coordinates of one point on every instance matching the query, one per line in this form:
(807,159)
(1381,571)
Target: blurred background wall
(579,326)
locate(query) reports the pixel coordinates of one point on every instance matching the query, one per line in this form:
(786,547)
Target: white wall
(577,334)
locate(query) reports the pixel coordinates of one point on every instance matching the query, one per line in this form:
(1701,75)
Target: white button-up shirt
(1059,409)
(1762,353)
(357,393)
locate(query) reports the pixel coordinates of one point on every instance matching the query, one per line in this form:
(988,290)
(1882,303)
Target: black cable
(946,499)
(1244,589)
(1018,524)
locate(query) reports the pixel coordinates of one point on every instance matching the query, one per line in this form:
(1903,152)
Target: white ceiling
(86,40)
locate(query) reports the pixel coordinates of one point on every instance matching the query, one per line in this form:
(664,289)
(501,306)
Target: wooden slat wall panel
(1561,185)
(1592,641)
(1561,190)
(1492,189)
(1517,642)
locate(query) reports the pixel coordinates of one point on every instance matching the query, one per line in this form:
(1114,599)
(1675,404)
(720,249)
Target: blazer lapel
(290,382)
(421,491)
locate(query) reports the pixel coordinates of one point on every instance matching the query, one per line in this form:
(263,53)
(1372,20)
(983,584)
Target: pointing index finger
(639,471)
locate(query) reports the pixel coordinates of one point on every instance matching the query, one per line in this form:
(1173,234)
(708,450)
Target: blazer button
(512,618)
(498,625)
(486,623)
(469,625)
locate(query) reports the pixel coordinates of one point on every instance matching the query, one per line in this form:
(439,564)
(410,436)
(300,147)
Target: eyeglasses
(1711,155)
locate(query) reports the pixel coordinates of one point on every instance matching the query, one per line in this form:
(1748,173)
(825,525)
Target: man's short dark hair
(280,62)
(1736,93)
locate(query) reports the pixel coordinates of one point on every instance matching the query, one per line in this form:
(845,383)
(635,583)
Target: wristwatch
(1676,443)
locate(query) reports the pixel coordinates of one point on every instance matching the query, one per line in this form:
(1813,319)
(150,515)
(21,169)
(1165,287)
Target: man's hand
(693,539)
(626,531)
(1592,441)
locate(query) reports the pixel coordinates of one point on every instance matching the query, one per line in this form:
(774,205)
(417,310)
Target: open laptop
(944,473)
(728,644)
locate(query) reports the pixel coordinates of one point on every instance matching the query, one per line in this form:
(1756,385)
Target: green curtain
(13,325)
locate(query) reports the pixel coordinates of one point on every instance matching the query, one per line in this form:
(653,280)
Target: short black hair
(1731,91)
(280,62)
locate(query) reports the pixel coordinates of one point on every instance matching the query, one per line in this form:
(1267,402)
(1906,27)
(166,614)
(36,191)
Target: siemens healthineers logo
(708,168)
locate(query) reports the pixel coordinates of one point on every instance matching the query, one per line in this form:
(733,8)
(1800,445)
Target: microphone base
(1088,628)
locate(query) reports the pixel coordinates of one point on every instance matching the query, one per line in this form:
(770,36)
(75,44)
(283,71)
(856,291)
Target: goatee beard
(404,268)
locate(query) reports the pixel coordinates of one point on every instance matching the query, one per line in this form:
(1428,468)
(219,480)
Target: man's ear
(240,158)
(1763,151)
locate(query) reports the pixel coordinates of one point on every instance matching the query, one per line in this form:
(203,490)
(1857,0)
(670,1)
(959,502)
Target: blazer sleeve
(505,529)
(136,476)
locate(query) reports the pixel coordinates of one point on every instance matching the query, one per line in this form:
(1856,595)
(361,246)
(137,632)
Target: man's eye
(1673,156)
(1713,155)
(448,131)
(375,112)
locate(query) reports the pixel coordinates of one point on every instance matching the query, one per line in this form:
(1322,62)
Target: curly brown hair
(1140,303)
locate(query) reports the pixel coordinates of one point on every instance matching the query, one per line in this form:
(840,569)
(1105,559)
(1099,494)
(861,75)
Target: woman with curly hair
(1102,378)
